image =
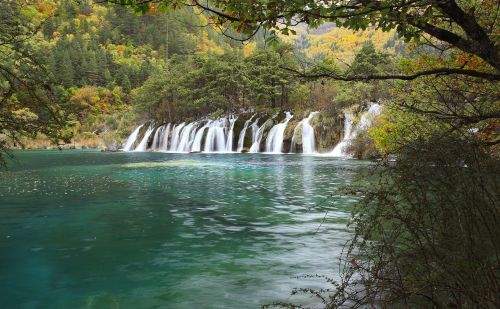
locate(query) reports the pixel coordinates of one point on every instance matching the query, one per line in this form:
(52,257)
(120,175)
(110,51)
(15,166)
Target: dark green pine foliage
(369,61)
(122,79)
(49,28)
(65,70)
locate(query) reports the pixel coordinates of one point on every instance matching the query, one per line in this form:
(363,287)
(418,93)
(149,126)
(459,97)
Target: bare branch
(436,72)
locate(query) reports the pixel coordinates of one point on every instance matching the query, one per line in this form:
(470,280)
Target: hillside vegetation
(110,68)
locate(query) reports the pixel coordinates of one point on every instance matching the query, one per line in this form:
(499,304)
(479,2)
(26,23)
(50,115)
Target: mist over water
(168,230)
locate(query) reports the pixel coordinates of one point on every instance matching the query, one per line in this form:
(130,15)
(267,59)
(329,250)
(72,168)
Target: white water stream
(241,139)
(365,121)
(131,139)
(307,135)
(257,136)
(229,142)
(144,142)
(274,141)
(218,135)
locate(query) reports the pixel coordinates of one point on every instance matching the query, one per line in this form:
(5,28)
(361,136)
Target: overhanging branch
(435,72)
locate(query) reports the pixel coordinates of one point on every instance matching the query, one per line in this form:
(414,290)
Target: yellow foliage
(207,45)
(24,114)
(340,43)
(153,8)
(92,100)
(120,48)
(47,8)
(85,97)
(249,48)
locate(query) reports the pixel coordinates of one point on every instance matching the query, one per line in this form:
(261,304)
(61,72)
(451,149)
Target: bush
(427,235)
(362,147)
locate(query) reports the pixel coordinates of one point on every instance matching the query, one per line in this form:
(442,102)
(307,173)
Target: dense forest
(109,68)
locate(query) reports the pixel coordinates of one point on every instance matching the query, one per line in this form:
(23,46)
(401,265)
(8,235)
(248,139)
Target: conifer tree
(66,71)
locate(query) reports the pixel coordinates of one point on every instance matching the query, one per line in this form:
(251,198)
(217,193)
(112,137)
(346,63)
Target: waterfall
(257,137)
(367,118)
(220,139)
(338,151)
(209,140)
(156,138)
(198,137)
(255,129)
(131,139)
(175,136)
(293,145)
(274,141)
(307,135)
(216,140)
(191,139)
(229,143)
(144,143)
(218,135)
(243,132)
(163,142)
(365,121)
(185,138)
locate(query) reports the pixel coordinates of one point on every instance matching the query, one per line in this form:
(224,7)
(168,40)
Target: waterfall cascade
(257,137)
(338,151)
(365,122)
(186,138)
(218,135)
(367,118)
(243,132)
(156,138)
(215,141)
(229,143)
(255,128)
(307,135)
(144,142)
(197,139)
(163,143)
(274,141)
(131,139)
(175,136)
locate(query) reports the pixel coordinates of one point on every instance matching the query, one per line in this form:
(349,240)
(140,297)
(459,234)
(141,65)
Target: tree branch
(436,72)
(488,53)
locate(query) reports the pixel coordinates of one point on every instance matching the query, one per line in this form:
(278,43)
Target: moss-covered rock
(328,130)
(288,135)
(363,147)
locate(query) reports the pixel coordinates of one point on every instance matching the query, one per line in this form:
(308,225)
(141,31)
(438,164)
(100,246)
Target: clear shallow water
(84,229)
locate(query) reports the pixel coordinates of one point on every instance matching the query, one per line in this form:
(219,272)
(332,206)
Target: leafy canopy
(468,26)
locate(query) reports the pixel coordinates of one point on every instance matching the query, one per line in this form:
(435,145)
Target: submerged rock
(102,301)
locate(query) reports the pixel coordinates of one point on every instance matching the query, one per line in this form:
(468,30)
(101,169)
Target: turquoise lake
(85,229)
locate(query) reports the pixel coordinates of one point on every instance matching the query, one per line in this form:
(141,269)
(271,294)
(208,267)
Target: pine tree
(89,67)
(127,87)
(66,72)
(107,78)
(48,28)
(123,80)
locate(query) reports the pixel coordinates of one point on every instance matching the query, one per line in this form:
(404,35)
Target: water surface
(84,229)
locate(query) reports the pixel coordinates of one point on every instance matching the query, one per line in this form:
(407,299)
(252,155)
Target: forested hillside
(97,54)
(110,68)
